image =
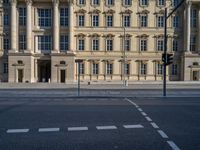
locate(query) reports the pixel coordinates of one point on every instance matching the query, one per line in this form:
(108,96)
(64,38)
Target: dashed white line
(106,127)
(133,126)
(17,130)
(49,129)
(143,113)
(77,128)
(140,109)
(162,134)
(154,125)
(148,118)
(173,145)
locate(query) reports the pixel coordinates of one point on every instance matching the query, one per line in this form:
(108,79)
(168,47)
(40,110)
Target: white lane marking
(154,125)
(162,134)
(77,128)
(173,145)
(148,119)
(140,109)
(131,102)
(143,113)
(133,126)
(106,127)
(17,130)
(49,129)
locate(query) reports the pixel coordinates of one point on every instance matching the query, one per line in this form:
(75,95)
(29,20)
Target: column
(36,70)
(13,31)
(188,25)
(71,35)
(55,26)
(29,25)
(199,31)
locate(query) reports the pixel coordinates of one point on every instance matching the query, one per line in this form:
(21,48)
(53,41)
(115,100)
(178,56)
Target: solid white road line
(17,130)
(143,113)
(140,109)
(162,134)
(173,145)
(106,127)
(154,125)
(148,119)
(133,126)
(77,128)
(49,129)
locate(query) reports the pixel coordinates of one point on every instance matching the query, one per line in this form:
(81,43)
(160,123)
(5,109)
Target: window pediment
(109,35)
(142,36)
(81,11)
(128,11)
(95,11)
(80,35)
(94,35)
(110,11)
(143,12)
(160,12)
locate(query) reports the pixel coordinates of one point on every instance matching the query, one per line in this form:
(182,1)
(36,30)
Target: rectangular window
(22,16)
(5,68)
(175,2)
(95,68)
(64,17)
(44,17)
(6,21)
(175,22)
(160,2)
(143,21)
(127,44)
(127,2)
(160,44)
(160,21)
(109,68)
(143,2)
(174,69)
(109,44)
(64,43)
(159,69)
(143,44)
(193,43)
(6,43)
(81,44)
(82,70)
(95,44)
(109,20)
(44,43)
(127,69)
(81,20)
(22,42)
(95,20)
(81,2)
(143,68)
(5,1)
(194,18)
(175,45)
(110,2)
(95,2)
(126,21)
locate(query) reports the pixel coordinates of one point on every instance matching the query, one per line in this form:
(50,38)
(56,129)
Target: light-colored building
(41,39)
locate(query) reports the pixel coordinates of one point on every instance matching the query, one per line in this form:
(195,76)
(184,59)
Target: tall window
(159,69)
(160,2)
(174,69)
(193,43)
(44,17)
(81,44)
(175,45)
(143,2)
(82,68)
(81,20)
(95,2)
(95,44)
(44,43)
(143,44)
(127,44)
(109,20)
(160,21)
(6,43)
(109,2)
(127,69)
(22,16)
(22,42)
(95,68)
(64,43)
(160,44)
(127,2)
(109,44)
(175,22)
(64,17)
(95,20)
(143,21)
(5,1)
(81,2)
(194,18)
(5,68)
(143,68)
(109,68)
(175,2)
(126,20)
(6,21)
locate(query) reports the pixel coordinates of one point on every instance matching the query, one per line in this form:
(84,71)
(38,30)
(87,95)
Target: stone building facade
(116,40)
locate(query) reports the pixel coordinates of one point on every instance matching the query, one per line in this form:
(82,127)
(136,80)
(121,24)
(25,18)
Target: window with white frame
(6,20)
(160,21)
(194,18)
(175,45)
(81,44)
(174,68)
(143,2)
(22,42)
(5,68)
(44,43)
(81,20)
(95,20)
(109,68)
(109,2)
(193,43)
(143,44)
(95,2)
(143,20)
(64,43)
(109,44)
(95,44)
(22,16)
(126,21)
(127,44)
(6,43)
(175,21)
(127,2)
(109,20)
(127,68)
(82,68)
(95,68)
(160,2)
(81,2)
(160,44)
(143,68)
(44,17)
(159,69)
(64,17)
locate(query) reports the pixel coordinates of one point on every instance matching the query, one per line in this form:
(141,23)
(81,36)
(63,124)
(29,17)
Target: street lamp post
(78,61)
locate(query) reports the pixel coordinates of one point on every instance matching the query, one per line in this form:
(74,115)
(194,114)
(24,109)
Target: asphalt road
(40,123)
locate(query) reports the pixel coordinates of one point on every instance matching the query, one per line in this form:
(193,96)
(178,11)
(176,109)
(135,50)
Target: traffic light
(167,59)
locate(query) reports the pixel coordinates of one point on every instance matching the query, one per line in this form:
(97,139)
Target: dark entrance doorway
(44,70)
(62,76)
(195,75)
(20,75)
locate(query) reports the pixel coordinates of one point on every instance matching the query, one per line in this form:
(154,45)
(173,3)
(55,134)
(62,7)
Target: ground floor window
(5,68)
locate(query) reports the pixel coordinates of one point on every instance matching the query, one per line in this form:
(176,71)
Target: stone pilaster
(29,25)
(188,25)
(56,26)
(13,29)
(71,35)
